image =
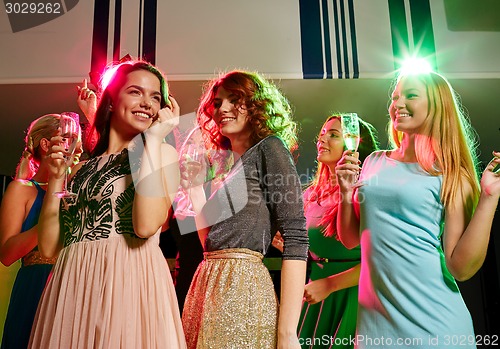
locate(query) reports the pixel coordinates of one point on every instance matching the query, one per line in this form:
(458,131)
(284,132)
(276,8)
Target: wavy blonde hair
(447,143)
(44,127)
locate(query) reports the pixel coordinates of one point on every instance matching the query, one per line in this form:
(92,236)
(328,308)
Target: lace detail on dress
(104,203)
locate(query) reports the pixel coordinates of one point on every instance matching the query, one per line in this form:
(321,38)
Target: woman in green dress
(328,317)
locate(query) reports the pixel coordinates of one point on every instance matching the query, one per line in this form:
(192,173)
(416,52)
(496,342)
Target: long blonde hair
(44,127)
(447,142)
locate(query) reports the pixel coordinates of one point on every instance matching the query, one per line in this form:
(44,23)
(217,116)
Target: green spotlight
(414,66)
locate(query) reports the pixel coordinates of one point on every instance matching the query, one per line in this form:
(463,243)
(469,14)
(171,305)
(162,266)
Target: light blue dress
(407,297)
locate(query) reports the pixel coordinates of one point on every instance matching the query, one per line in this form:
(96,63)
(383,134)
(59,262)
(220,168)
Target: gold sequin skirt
(231,303)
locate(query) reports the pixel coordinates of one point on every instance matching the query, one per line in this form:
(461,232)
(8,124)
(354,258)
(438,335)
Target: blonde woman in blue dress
(424,220)
(21,205)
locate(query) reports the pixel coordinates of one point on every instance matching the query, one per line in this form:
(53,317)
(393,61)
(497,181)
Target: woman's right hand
(57,163)
(87,101)
(192,172)
(317,290)
(347,171)
(490,181)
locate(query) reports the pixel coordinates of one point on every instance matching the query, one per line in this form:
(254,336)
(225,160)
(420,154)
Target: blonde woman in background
(19,213)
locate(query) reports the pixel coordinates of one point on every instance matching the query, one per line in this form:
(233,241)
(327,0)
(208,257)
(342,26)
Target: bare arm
(347,221)
(292,290)
(192,180)
(466,235)
(155,188)
(49,234)
(87,101)
(198,198)
(16,203)
(317,290)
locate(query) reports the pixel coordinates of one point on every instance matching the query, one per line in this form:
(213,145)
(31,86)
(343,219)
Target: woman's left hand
(490,181)
(278,241)
(166,120)
(87,101)
(315,291)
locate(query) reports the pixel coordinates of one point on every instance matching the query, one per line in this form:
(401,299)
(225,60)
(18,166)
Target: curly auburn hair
(269,112)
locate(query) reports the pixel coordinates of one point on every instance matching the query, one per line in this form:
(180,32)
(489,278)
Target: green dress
(330,323)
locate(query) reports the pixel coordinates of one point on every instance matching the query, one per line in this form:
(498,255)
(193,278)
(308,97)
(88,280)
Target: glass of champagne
(69,125)
(350,131)
(192,161)
(496,169)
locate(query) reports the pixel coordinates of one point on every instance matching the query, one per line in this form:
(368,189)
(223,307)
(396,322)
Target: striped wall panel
(284,39)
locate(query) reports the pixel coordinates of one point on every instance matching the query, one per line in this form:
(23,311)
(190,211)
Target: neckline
(256,144)
(386,153)
(111,154)
(39,183)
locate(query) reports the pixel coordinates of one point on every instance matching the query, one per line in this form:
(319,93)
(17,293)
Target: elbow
(6,261)
(47,253)
(348,234)
(6,258)
(463,278)
(348,243)
(463,275)
(145,230)
(350,246)
(464,272)
(145,234)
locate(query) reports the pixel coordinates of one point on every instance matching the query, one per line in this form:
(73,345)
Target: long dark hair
(111,82)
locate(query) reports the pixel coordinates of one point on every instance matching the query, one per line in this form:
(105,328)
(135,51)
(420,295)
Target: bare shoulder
(20,187)
(18,193)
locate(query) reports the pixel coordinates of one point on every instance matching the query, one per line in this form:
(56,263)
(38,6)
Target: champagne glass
(350,131)
(69,125)
(496,169)
(192,161)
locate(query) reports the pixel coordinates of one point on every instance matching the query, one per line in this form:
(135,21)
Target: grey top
(261,195)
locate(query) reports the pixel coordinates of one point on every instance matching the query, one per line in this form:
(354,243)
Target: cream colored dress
(110,288)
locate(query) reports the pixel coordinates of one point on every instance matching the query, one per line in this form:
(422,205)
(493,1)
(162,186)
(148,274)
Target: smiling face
(330,144)
(230,116)
(136,103)
(410,105)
